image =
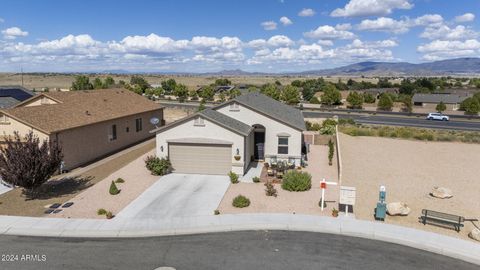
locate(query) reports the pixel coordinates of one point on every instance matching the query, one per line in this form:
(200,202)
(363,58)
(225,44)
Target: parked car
(437,116)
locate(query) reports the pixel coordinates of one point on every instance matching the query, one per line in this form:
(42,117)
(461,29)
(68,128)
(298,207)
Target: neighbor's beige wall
(38,101)
(7,129)
(85,144)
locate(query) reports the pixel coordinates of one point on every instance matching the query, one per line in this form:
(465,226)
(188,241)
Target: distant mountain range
(451,67)
(458,66)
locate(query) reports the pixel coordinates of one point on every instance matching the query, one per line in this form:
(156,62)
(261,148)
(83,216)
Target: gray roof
(226,121)
(437,98)
(7,102)
(275,109)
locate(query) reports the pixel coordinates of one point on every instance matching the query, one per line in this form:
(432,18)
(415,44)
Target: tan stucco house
(231,135)
(87,124)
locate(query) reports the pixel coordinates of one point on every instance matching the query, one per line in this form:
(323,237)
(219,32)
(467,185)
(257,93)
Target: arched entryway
(259,142)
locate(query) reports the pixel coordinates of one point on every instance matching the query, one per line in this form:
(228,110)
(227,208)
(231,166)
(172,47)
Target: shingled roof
(11,95)
(273,108)
(80,108)
(227,121)
(437,98)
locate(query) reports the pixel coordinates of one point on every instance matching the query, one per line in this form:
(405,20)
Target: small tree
(441,107)
(81,82)
(470,106)
(355,100)
(181,91)
(368,98)
(27,163)
(202,107)
(331,150)
(290,95)
(331,95)
(385,103)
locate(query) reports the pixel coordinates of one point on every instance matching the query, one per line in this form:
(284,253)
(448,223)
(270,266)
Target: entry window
(113,133)
(283,145)
(138,124)
(4,119)
(198,122)
(234,107)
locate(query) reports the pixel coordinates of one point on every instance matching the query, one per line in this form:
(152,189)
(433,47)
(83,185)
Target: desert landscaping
(410,170)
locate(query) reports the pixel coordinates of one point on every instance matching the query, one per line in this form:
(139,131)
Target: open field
(409,170)
(39,81)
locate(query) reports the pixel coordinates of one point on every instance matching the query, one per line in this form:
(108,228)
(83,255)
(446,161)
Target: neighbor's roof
(226,121)
(275,109)
(11,95)
(81,108)
(437,98)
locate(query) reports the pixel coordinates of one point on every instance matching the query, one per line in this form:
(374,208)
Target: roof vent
(87,113)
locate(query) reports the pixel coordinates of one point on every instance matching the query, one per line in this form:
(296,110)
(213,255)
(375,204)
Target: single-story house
(87,124)
(376,92)
(12,95)
(452,101)
(250,127)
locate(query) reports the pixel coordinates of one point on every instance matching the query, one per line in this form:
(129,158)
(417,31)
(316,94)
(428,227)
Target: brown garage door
(200,158)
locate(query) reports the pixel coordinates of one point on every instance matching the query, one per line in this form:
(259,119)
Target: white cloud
(385,24)
(467,17)
(325,42)
(444,32)
(13,33)
(388,43)
(269,25)
(357,8)
(329,32)
(306,12)
(344,26)
(274,41)
(285,21)
(442,49)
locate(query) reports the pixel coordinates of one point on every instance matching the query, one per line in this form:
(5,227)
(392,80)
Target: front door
(259,142)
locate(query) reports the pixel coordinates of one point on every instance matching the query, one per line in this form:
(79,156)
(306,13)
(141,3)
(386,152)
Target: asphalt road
(234,250)
(467,125)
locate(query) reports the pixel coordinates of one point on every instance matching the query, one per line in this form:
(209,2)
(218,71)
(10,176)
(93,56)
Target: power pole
(22,75)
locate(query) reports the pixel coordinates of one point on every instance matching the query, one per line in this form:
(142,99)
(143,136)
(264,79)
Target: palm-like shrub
(297,181)
(113,189)
(233,177)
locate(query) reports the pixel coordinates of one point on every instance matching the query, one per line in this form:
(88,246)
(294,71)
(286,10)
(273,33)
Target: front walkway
(179,195)
(254,170)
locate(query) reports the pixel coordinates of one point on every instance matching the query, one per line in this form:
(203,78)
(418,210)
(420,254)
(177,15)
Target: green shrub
(241,201)
(270,190)
(101,211)
(233,177)
(158,166)
(120,180)
(113,189)
(256,179)
(109,215)
(297,181)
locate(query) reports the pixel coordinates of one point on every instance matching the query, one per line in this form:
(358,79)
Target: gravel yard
(410,170)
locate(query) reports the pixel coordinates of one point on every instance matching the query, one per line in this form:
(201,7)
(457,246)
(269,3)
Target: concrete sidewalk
(127,227)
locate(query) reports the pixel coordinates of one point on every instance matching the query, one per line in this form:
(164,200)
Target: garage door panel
(200,158)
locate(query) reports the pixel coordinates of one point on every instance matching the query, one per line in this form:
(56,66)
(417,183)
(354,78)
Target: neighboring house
(229,136)
(452,101)
(88,124)
(376,92)
(12,95)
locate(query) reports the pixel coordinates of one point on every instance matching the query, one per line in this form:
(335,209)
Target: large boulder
(475,234)
(398,209)
(441,192)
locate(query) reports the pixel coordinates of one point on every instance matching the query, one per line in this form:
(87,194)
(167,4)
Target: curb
(129,228)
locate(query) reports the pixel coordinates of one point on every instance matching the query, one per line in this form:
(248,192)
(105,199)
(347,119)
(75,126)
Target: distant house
(431,100)
(87,124)
(229,136)
(376,92)
(12,95)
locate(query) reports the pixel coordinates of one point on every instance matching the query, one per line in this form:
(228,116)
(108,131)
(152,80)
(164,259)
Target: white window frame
(282,145)
(234,107)
(199,122)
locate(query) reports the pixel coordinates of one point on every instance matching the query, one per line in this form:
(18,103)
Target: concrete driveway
(179,195)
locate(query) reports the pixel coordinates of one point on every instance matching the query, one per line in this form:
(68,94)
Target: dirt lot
(39,81)
(410,170)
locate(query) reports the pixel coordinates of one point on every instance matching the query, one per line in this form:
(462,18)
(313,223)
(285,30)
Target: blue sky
(212,35)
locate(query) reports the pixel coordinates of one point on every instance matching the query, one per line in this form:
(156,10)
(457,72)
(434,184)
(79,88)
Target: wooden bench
(439,218)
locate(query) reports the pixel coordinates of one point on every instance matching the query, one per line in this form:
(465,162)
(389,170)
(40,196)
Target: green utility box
(380,211)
